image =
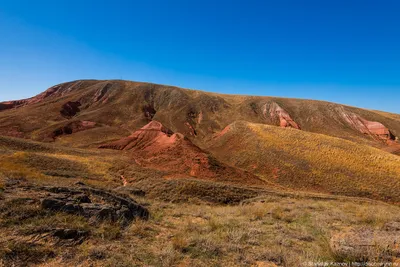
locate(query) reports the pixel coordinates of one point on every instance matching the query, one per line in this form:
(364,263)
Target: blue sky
(339,51)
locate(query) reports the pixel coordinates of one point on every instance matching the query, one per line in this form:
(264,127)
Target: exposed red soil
(155,146)
(373,128)
(191,129)
(223,132)
(200,117)
(277,113)
(124,181)
(99,95)
(147,138)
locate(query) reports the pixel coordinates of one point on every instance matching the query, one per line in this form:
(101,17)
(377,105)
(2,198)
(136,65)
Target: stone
(72,208)
(279,115)
(77,201)
(83,199)
(52,204)
(70,233)
(107,213)
(125,214)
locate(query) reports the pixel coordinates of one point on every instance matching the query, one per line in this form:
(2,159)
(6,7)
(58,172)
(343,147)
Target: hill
(308,161)
(113,109)
(266,142)
(119,173)
(156,147)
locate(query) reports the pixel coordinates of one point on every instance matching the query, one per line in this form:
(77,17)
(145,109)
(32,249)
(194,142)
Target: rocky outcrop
(70,234)
(99,95)
(99,205)
(155,146)
(151,136)
(279,116)
(372,128)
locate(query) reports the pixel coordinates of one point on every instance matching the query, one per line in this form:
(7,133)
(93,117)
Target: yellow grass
(308,161)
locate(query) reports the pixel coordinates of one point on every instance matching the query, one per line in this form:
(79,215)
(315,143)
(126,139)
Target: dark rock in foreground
(80,202)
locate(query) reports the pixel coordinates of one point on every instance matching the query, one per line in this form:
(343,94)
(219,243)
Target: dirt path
(124,181)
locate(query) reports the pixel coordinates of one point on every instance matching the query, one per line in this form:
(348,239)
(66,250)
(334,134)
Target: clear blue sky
(343,51)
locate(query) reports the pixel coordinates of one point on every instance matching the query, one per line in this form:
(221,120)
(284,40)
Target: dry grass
(52,164)
(281,230)
(307,161)
(122,112)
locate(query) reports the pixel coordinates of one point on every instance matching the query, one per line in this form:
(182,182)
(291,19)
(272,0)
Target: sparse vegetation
(317,199)
(280,230)
(311,162)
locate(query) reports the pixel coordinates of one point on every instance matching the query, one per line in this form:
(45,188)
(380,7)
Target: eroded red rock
(99,96)
(278,114)
(373,128)
(191,129)
(223,132)
(157,147)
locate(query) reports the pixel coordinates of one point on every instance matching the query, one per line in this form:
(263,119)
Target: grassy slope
(121,110)
(308,161)
(52,164)
(282,230)
(286,229)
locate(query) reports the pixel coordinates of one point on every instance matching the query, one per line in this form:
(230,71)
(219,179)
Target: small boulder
(72,208)
(52,204)
(107,213)
(83,199)
(70,234)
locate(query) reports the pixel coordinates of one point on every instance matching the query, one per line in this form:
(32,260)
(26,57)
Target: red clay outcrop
(155,146)
(373,128)
(279,115)
(99,95)
(150,135)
